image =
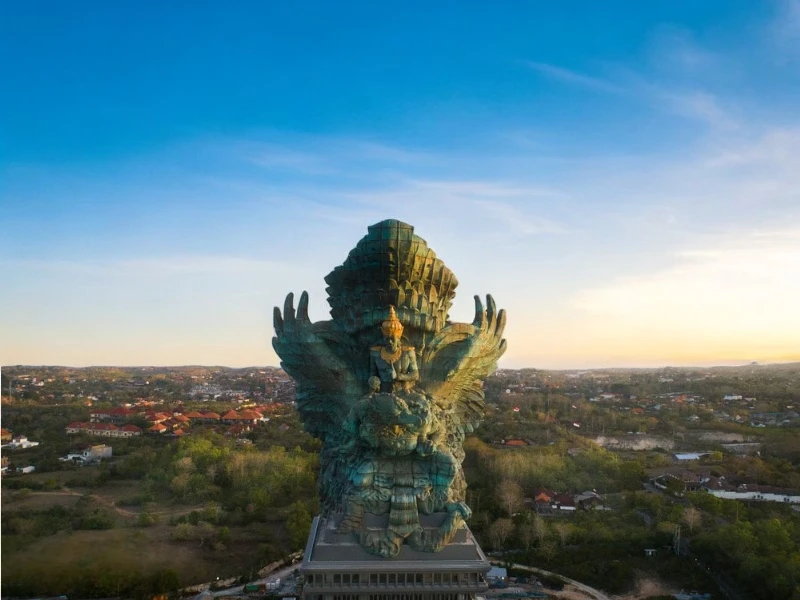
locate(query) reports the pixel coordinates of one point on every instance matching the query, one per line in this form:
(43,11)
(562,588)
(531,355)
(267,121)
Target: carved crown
(391,270)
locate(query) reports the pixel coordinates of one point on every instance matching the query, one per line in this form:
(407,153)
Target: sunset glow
(629,193)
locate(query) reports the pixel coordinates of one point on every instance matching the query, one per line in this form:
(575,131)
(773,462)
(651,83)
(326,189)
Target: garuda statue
(390,386)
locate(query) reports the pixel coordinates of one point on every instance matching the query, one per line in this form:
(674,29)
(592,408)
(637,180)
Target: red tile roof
(102,427)
(565,499)
(250,415)
(238,429)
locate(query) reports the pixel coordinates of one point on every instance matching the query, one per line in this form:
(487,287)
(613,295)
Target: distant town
(653,466)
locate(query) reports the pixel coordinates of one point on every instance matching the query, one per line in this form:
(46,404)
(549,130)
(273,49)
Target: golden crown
(392,326)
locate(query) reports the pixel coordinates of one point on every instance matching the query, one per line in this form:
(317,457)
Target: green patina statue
(391,387)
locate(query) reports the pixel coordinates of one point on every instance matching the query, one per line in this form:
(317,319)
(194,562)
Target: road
(283,574)
(589,591)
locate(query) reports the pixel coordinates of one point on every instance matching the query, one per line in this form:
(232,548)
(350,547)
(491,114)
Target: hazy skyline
(626,184)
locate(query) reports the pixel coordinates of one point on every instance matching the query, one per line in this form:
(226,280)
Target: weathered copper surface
(391,387)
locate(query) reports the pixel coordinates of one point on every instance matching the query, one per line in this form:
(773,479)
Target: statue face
(393,342)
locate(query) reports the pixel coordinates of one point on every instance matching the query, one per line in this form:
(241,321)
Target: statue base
(336,567)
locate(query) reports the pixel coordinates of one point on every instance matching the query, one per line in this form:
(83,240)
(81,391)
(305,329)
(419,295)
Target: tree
(564,530)
(509,496)
(298,523)
(692,517)
(526,533)
(499,532)
(539,529)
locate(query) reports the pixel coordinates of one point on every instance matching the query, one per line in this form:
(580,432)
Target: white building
(497,575)
(759,493)
(88,455)
(21,442)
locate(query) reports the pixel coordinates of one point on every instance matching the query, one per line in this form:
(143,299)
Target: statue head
(392,330)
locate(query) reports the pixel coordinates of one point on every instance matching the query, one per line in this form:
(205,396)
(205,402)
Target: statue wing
(460,357)
(317,359)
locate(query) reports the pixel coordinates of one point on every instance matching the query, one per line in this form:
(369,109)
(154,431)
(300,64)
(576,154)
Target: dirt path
(65,491)
(99,499)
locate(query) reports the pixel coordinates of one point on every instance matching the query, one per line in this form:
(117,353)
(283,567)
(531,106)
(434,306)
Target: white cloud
(697,104)
(280,158)
(675,51)
(773,149)
(320,155)
(139,267)
(515,220)
(573,77)
(684,100)
(737,292)
(785,28)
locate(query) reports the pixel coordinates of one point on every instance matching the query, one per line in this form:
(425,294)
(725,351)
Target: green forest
(169,512)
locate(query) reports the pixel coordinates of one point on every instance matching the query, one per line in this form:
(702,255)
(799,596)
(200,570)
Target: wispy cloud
(696,104)
(738,290)
(573,77)
(321,155)
(675,51)
(785,27)
(515,220)
(486,189)
(690,102)
(281,158)
(502,208)
(773,149)
(156,266)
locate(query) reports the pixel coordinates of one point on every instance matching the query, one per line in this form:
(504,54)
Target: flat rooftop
(327,550)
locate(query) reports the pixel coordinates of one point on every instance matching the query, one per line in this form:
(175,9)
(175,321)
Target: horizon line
(606,368)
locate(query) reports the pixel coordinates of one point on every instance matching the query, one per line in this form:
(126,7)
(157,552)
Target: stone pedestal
(336,567)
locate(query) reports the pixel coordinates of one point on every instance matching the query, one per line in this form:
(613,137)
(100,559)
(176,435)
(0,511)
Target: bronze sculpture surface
(391,387)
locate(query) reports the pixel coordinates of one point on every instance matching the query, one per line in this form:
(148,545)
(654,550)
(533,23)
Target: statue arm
(412,372)
(373,365)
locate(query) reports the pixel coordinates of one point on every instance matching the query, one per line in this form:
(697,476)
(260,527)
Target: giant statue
(391,386)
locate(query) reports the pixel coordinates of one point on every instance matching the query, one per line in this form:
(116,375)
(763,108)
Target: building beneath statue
(336,567)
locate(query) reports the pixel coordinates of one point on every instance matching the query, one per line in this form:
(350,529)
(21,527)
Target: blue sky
(625,181)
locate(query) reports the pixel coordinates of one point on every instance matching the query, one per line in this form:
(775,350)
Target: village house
(20,442)
(543,501)
(565,503)
(111,415)
(202,418)
(233,417)
(88,455)
(515,443)
(238,429)
(104,429)
(719,487)
(588,500)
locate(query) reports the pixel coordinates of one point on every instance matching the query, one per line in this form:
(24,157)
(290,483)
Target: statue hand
(489,325)
(459,507)
(292,325)
(425,447)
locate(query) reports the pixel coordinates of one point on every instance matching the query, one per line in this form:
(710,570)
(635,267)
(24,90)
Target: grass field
(47,564)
